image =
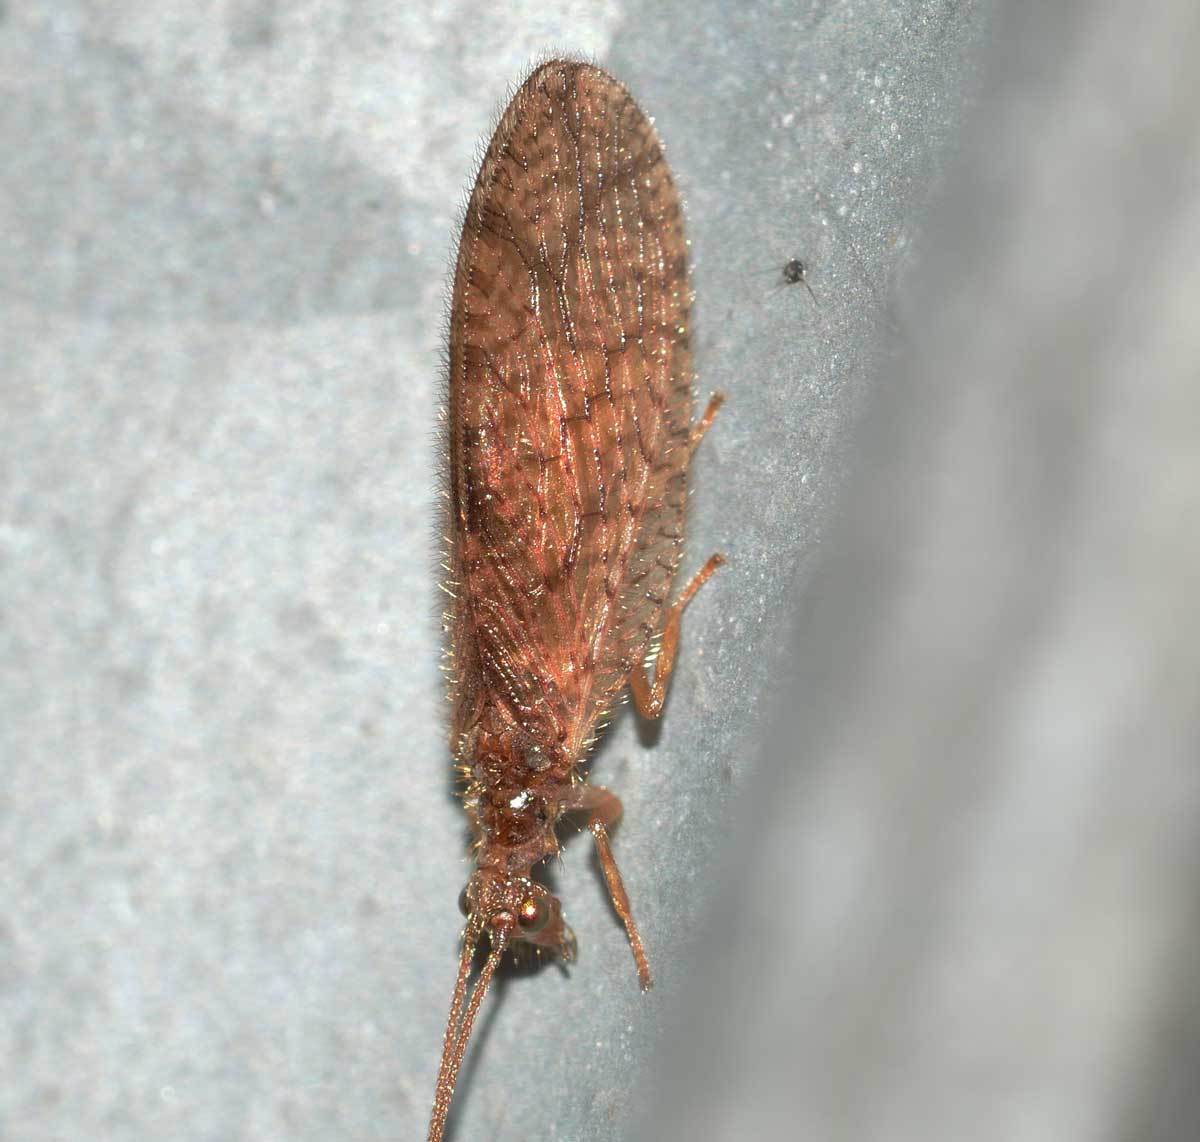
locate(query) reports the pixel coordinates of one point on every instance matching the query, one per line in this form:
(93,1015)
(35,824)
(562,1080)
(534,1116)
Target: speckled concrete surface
(966,901)
(231,857)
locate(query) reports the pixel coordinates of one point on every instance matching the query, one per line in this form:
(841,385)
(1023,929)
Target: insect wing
(570,403)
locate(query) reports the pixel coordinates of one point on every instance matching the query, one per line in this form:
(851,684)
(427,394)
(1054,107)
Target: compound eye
(533,914)
(464,903)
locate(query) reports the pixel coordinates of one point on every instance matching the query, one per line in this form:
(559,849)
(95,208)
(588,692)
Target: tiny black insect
(795,271)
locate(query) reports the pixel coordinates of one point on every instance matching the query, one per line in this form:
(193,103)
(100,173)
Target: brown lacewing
(570,434)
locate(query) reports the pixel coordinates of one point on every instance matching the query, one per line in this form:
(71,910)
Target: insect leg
(649,698)
(604,810)
(714,403)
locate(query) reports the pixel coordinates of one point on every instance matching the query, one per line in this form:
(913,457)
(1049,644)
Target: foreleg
(604,810)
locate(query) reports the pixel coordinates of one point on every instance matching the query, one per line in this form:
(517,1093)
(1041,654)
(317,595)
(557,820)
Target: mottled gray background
(230,853)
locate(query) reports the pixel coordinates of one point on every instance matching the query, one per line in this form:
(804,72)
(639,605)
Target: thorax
(514,796)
